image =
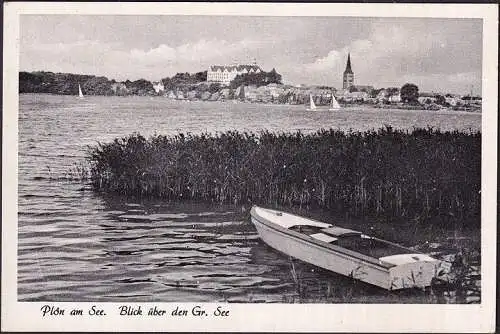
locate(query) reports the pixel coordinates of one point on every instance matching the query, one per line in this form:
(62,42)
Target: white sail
(80,94)
(312,106)
(335,105)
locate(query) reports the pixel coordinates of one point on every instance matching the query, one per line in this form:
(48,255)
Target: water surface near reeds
(164,252)
(77,245)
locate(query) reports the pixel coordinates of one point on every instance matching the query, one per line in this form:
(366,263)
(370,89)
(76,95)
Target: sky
(436,54)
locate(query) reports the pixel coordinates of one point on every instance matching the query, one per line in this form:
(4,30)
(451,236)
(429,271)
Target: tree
(139,87)
(242,93)
(441,100)
(95,86)
(409,93)
(392,91)
(201,76)
(274,77)
(214,87)
(374,93)
(256,79)
(184,79)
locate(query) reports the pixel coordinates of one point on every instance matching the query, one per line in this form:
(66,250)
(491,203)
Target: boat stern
(414,270)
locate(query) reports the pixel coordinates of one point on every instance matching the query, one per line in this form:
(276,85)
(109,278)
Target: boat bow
(345,251)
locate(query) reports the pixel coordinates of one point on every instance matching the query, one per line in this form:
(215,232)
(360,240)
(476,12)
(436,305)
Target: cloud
(384,51)
(328,69)
(200,51)
(460,83)
(394,44)
(111,59)
(161,53)
(464,77)
(75,48)
(336,59)
(393,54)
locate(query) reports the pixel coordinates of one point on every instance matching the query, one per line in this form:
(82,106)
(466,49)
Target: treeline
(67,84)
(62,83)
(421,175)
(184,79)
(256,79)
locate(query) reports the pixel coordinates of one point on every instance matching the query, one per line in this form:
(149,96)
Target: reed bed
(418,174)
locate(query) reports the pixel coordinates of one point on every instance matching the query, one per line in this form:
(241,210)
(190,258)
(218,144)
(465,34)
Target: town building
(348,78)
(158,87)
(355,96)
(424,97)
(395,98)
(391,94)
(364,88)
(453,100)
(224,74)
(383,95)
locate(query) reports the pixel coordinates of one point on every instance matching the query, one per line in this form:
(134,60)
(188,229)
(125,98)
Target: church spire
(348,78)
(348,66)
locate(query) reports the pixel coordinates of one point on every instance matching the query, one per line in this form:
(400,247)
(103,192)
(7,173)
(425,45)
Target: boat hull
(347,263)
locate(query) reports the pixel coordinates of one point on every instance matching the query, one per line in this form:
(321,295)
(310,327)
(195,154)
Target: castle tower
(348,79)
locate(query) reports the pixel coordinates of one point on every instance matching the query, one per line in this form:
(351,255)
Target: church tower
(348,80)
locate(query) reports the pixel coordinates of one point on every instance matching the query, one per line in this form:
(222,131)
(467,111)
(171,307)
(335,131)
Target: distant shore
(274,93)
(344,106)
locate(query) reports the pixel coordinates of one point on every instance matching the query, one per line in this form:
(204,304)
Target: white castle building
(224,74)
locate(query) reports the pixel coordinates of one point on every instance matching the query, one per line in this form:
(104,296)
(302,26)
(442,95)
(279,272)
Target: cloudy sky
(436,54)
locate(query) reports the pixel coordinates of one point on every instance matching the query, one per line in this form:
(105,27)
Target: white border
(17,316)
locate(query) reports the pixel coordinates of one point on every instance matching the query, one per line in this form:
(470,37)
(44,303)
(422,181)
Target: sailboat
(80,94)
(335,105)
(312,106)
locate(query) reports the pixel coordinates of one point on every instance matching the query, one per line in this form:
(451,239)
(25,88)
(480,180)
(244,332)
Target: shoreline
(321,108)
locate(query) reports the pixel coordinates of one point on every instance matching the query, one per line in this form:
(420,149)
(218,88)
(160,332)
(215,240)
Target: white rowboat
(347,252)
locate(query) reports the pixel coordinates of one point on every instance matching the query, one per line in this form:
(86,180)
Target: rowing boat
(347,252)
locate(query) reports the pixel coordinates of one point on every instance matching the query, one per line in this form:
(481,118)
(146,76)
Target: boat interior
(352,240)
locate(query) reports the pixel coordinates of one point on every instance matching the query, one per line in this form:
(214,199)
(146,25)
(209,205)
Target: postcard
(249,167)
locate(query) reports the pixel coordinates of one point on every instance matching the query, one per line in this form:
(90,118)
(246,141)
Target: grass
(463,287)
(420,175)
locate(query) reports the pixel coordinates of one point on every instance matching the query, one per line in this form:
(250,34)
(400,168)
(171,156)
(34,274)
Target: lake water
(77,245)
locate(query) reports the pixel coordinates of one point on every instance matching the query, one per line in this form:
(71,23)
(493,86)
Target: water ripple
(75,245)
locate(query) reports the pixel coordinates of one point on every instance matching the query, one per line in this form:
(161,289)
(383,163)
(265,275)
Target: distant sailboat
(80,94)
(312,106)
(335,105)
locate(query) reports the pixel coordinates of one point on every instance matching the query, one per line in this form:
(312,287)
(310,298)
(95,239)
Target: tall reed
(417,174)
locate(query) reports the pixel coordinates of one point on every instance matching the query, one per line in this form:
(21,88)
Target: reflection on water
(76,245)
(157,251)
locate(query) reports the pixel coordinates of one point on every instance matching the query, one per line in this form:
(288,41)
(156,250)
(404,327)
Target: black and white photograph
(200,162)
